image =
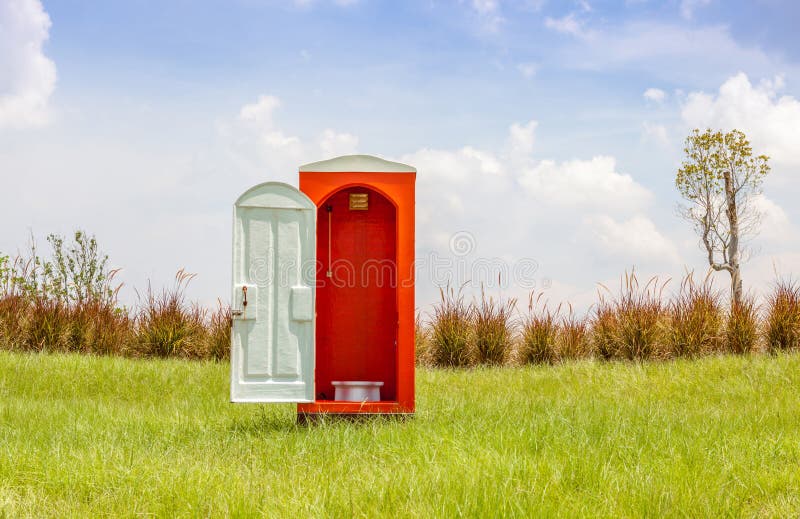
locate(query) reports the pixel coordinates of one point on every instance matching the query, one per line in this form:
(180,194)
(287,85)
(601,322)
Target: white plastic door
(274,255)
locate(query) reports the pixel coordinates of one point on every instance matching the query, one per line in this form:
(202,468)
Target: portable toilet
(323,290)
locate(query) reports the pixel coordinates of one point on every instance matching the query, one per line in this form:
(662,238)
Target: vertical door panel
(272,350)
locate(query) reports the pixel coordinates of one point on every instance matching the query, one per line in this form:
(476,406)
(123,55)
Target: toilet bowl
(357,390)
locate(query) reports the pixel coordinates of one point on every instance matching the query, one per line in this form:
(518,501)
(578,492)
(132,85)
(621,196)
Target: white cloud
(28,77)
(585,184)
(257,145)
(635,240)
(261,111)
(770,121)
(520,206)
(278,141)
(662,50)
(762,272)
(458,169)
(656,133)
(655,94)
(688,7)
(485,6)
(568,24)
(488,14)
(528,70)
(333,144)
(775,225)
(521,138)
(592,184)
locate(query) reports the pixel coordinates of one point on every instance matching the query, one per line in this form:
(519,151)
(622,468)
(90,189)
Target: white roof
(358,163)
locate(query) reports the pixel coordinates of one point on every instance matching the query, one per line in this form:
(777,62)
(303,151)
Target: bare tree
(719,180)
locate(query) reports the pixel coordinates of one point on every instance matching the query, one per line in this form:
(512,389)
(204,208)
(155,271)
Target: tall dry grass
(421,341)
(69,302)
(539,332)
(493,329)
(66,303)
(13,309)
(782,326)
(218,332)
(572,337)
(741,327)
(631,325)
(605,329)
(636,323)
(167,325)
(696,319)
(451,330)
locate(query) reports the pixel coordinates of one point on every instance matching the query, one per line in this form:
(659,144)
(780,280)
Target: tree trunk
(736,285)
(733,246)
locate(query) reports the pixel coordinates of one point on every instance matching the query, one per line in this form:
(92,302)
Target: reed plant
(631,325)
(47,325)
(741,327)
(605,329)
(695,319)
(168,325)
(572,339)
(782,326)
(421,341)
(15,303)
(493,329)
(13,320)
(451,330)
(218,332)
(539,332)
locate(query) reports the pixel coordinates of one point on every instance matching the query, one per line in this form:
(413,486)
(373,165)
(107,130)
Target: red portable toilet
(334,327)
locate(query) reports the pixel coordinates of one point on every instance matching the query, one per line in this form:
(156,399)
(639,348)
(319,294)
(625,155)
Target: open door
(273,299)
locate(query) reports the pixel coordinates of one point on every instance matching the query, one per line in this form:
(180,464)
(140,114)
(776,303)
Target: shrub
(493,329)
(450,328)
(741,328)
(539,331)
(77,274)
(783,317)
(572,337)
(695,323)
(166,325)
(5,274)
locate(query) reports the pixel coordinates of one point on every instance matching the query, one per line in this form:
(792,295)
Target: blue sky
(549,131)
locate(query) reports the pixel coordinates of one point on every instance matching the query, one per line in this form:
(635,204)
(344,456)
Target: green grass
(94,436)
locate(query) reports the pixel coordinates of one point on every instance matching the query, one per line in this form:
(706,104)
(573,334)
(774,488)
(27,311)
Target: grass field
(89,436)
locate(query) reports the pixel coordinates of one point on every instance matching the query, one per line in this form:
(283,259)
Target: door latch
(241,308)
